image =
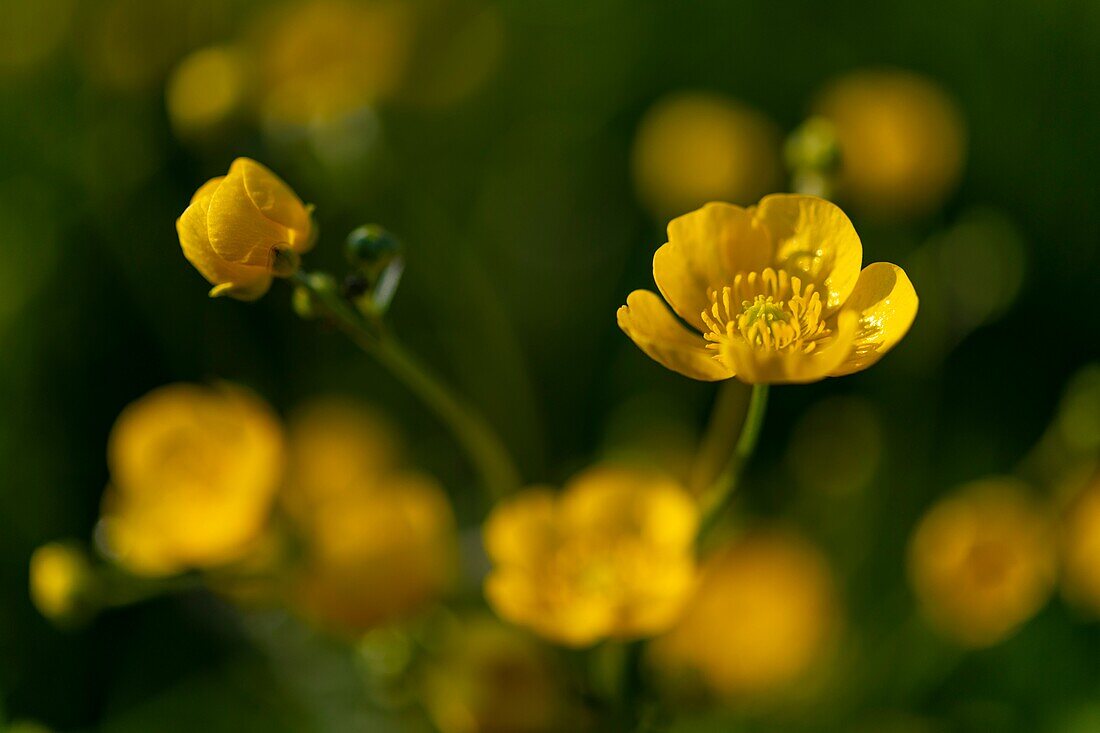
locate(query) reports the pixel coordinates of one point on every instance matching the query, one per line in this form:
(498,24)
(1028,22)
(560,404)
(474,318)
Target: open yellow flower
(194,472)
(610,557)
(774,290)
(983,561)
(243,228)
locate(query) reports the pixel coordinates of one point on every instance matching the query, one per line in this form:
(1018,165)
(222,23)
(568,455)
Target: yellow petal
(647,321)
(757,366)
(886,304)
(814,239)
(251,213)
(238,281)
(618,499)
(277,201)
(705,249)
(519,529)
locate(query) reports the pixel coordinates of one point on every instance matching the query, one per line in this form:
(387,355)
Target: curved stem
(717,496)
(484,448)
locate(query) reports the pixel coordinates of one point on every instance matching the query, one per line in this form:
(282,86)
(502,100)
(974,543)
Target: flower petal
(757,366)
(238,281)
(886,304)
(705,249)
(277,201)
(648,322)
(814,239)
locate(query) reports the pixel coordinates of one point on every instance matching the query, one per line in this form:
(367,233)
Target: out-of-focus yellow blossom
(610,557)
(902,140)
(492,678)
(59,576)
(775,291)
(982,561)
(765,612)
(243,228)
(1080,539)
(32,32)
(207,89)
(194,471)
(379,541)
(326,58)
(336,447)
(692,148)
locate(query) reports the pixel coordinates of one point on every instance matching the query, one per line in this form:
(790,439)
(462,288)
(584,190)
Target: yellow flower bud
(982,561)
(610,557)
(243,228)
(59,577)
(764,613)
(194,472)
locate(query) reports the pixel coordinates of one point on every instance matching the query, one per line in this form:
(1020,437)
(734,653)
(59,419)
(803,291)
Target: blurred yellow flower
(379,541)
(242,228)
(492,678)
(776,291)
(1080,540)
(207,88)
(763,615)
(59,576)
(194,471)
(692,148)
(982,561)
(336,447)
(326,58)
(610,557)
(901,138)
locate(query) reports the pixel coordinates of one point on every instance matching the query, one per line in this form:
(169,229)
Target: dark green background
(523,236)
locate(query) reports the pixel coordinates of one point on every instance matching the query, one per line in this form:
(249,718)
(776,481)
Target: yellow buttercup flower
(902,140)
(378,540)
(243,228)
(692,148)
(194,471)
(59,575)
(1080,540)
(775,292)
(610,557)
(982,561)
(763,615)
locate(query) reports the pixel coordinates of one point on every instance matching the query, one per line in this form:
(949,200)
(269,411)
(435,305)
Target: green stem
(714,501)
(484,448)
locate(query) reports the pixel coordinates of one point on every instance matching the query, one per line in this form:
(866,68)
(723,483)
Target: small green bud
(286,262)
(301,300)
(813,146)
(372,248)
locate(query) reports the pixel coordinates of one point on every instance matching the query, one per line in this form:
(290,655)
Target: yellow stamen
(769,310)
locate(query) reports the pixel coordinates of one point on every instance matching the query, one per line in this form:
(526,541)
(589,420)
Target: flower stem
(715,499)
(484,448)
